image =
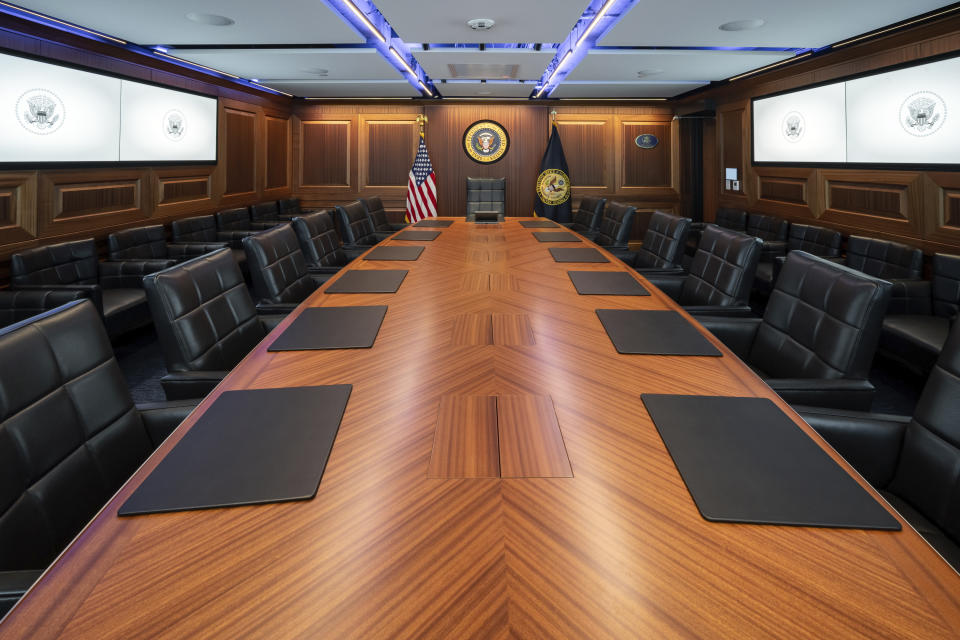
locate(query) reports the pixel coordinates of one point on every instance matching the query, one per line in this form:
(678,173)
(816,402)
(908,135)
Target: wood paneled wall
(919,208)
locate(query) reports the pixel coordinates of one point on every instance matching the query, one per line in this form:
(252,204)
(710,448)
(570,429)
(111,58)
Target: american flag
(422,187)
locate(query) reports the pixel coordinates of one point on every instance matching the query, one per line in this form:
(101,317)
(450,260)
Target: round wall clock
(485,141)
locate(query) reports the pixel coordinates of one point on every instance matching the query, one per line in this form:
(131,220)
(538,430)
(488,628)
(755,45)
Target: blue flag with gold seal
(553,182)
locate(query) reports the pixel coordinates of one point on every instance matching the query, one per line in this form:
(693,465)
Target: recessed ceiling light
(742,25)
(210,19)
(481,24)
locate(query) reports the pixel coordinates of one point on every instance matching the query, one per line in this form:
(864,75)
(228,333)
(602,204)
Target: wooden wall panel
(387,149)
(887,201)
(325,153)
(277,153)
(587,145)
(183,189)
(953,209)
(241,155)
(645,167)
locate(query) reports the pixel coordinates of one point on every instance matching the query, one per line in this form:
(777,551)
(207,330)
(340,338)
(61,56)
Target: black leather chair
(586,218)
(321,244)
(205,320)
(914,462)
(720,274)
(150,243)
(818,335)
(914,339)
(733,219)
(773,231)
(238,219)
(20,305)
(613,229)
(267,213)
(114,287)
(70,436)
(898,263)
(203,229)
(357,229)
(290,208)
(486,194)
(278,269)
(378,216)
(818,241)
(663,244)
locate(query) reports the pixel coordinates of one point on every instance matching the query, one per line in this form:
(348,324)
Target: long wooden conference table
(495,475)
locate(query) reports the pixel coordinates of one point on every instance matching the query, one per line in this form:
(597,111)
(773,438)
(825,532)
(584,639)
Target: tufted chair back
(767,227)
(357,228)
(265,211)
(663,241)
(64,263)
(587,216)
(735,219)
(277,266)
(195,229)
(816,240)
(486,194)
(318,239)
(139,243)
(883,258)
(613,230)
(722,269)
(237,219)
(289,207)
(377,214)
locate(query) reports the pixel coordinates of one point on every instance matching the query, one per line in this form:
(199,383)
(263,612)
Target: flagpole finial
(421,122)
(553,116)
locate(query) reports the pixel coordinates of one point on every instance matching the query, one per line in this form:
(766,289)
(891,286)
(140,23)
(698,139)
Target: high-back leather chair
(114,287)
(206,321)
(203,229)
(357,228)
(320,242)
(720,276)
(613,229)
(150,243)
(733,219)
(816,340)
(818,241)
(70,436)
(238,219)
(277,267)
(663,243)
(486,194)
(587,216)
(378,215)
(290,208)
(17,305)
(772,230)
(913,461)
(267,212)
(883,258)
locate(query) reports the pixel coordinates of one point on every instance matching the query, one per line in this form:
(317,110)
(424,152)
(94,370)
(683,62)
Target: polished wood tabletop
(495,475)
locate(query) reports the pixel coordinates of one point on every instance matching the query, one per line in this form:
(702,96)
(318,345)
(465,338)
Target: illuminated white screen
(50,113)
(159,125)
(803,126)
(907,116)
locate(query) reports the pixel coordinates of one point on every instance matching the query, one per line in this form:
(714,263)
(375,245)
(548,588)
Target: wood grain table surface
(495,476)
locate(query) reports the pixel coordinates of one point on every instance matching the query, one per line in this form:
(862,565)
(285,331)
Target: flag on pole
(421,187)
(553,183)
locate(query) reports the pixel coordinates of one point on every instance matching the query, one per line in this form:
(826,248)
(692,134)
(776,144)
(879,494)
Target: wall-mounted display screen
(899,117)
(55,114)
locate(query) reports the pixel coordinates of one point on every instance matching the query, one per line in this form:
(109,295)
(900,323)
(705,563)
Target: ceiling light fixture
(593,23)
(742,25)
(406,65)
(363,18)
(769,66)
(424,87)
(481,24)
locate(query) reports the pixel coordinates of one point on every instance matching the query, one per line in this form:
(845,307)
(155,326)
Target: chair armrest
(838,393)
(621,253)
(382,235)
(13,584)
(771,249)
(185,250)
(234,238)
(318,277)
(271,308)
(729,311)
(397,226)
(92,292)
(190,385)
(263,225)
(128,274)
(699,226)
(870,442)
(669,284)
(161,418)
(322,269)
(660,271)
(269,321)
(353,251)
(737,333)
(910,297)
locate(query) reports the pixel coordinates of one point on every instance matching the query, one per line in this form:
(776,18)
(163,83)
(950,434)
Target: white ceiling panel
(334,89)
(484,90)
(529,64)
(667,66)
(256,22)
(516,20)
(295,64)
(623,89)
(811,23)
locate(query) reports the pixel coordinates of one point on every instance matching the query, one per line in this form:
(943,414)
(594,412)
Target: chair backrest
(722,269)
(664,241)
(318,238)
(289,207)
(928,471)
(277,266)
(945,285)
(69,432)
(357,228)
(141,243)
(613,230)
(587,216)
(195,229)
(883,258)
(237,219)
(203,313)
(767,227)
(819,241)
(486,194)
(64,263)
(375,211)
(267,211)
(735,219)
(823,320)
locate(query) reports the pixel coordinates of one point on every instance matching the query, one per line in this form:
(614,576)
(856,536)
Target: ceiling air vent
(481,24)
(484,71)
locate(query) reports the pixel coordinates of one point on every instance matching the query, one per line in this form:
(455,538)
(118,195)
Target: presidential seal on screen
(793,126)
(922,113)
(174,125)
(485,141)
(553,187)
(40,111)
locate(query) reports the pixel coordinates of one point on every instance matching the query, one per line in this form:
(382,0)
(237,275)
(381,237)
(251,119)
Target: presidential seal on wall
(922,113)
(485,141)
(40,111)
(553,187)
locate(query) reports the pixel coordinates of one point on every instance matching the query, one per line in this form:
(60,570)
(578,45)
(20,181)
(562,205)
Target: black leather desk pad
(250,447)
(368,281)
(417,236)
(434,223)
(570,254)
(744,460)
(331,328)
(394,253)
(538,224)
(555,236)
(655,333)
(606,283)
